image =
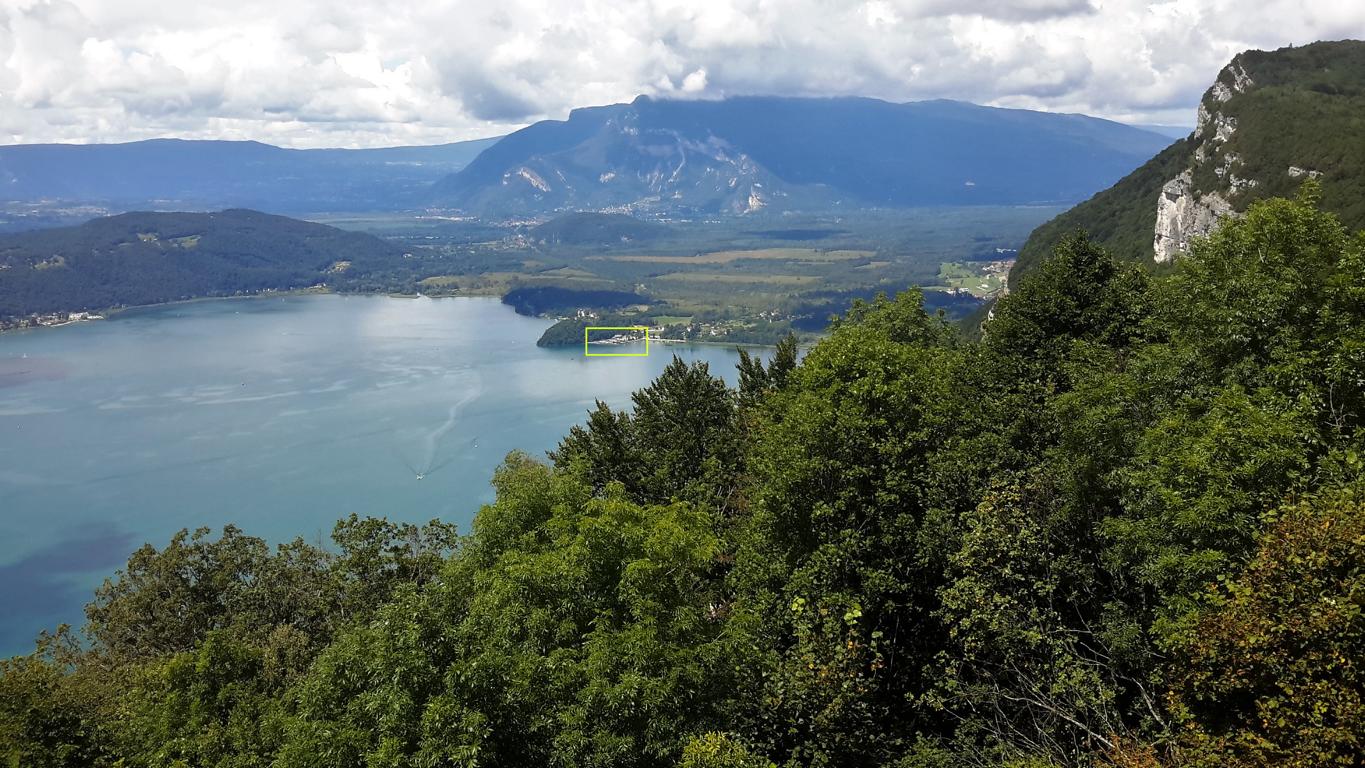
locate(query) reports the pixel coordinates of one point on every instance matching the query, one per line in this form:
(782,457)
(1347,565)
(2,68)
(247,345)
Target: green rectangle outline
(589,328)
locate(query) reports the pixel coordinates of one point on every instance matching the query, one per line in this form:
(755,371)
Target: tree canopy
(1122,528)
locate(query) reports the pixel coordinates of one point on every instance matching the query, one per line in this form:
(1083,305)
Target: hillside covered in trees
(1125,528)
(548,299)
(1270,120)
(149,258)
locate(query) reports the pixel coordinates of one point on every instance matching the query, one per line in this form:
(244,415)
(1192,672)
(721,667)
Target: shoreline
(107,314)
(653,340)
(758,344)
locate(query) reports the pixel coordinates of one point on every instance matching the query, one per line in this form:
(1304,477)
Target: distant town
(51,319)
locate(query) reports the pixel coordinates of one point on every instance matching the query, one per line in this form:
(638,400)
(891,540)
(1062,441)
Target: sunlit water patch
(279,415)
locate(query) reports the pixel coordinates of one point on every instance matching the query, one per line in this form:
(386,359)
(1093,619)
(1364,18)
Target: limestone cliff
(1183,213)
(1182,216)
(1270,121)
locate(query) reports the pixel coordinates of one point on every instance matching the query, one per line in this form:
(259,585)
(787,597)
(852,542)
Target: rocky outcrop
(1269,123)
(1182,216)
(1184,213)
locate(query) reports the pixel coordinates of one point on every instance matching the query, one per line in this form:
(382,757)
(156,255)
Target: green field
(731,270)
(977,278)
(720,277)
(757,254)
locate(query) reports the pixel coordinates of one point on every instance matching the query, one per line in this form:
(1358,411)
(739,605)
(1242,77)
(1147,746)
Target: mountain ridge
(745,154)
(225,174)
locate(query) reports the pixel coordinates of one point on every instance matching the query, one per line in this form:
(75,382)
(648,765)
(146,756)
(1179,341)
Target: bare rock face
(1183,213)
(1182,216)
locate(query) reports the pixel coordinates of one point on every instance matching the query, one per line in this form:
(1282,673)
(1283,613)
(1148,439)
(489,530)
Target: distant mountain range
(149,258)
(739,155)
(1270,121)
(743,155)
(174,173)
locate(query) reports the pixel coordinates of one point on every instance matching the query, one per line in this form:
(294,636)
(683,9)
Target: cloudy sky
(308,73)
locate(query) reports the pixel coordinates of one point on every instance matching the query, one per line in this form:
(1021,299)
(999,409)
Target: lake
(279,415)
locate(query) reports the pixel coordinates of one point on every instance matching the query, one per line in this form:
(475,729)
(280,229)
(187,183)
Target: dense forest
(1124,528)
(569,331)
(546,299)
(150,258)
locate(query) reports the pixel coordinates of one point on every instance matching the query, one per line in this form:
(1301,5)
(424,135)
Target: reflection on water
(281,415)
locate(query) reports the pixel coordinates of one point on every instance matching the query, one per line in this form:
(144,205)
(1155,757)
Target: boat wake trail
(435,439)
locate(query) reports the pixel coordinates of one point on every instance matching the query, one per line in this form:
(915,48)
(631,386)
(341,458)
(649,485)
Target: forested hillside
(546,299)
(148,258)
(1270,120)
(1126,528)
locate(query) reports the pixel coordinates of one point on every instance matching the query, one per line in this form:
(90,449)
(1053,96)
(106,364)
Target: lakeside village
(763,328)
(980,281)
(49,320)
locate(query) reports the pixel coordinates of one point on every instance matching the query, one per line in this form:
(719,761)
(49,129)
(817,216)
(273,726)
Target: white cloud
(695,82)
(370,72)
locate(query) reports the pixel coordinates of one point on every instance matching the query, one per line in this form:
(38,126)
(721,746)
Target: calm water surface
(279,415)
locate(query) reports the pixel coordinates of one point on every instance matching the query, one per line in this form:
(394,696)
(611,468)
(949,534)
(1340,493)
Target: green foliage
(569,331)
(686,434)
(48,715)
(1009,630)
(1305,110)
(1273,299)
(720,750)
(570,630)
(544,299)
(837,572)
(168,601)
(375,557)
(1271,674)
(1050,547)
(218,705)
(757,381)
(681,441)
(603,451)
(1081,293)
(1241,405)
(590,228)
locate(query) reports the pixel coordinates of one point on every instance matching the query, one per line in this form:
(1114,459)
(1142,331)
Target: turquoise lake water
(279,415)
